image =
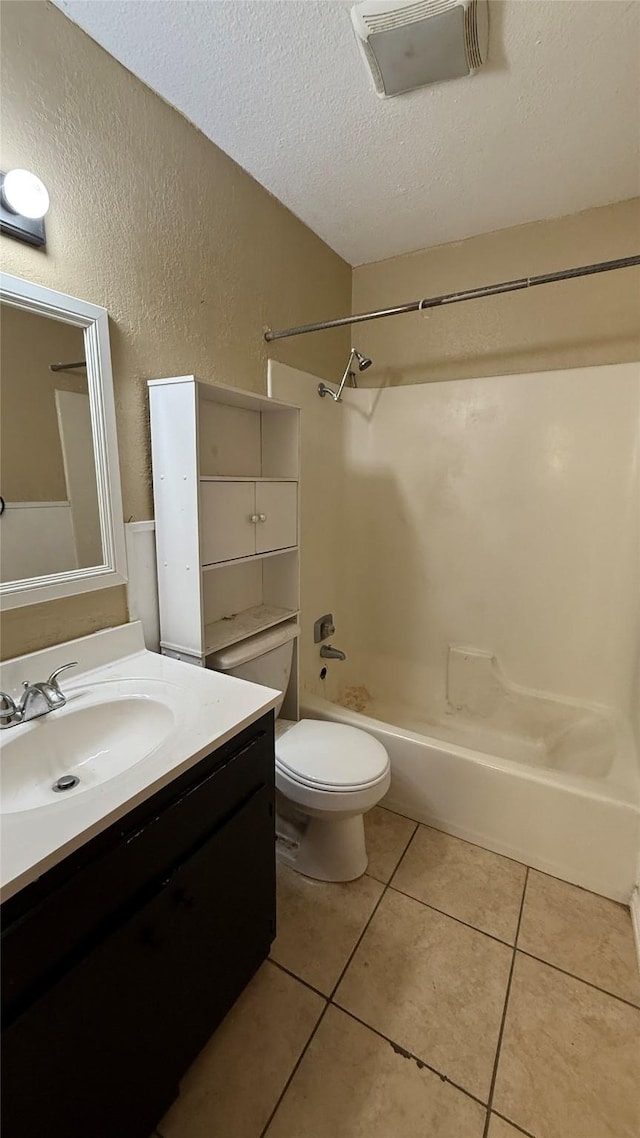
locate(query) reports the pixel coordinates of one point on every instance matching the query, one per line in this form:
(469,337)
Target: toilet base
(326,849)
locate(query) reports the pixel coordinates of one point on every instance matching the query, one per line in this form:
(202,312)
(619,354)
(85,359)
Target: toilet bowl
(327,775)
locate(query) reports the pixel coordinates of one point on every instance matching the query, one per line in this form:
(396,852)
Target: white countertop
(212,709)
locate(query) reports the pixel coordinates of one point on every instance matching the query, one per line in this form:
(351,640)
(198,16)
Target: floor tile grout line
(527,1133)
(357,944)
(504,1010)
(316,991)
(580,979)
(301,1056)
(394,1043)
(476,845)
(512,944)
(582,888)
(400,1049)
(294,976)
(444,913)
(514,949)
(388,810)
(328,1000)
(416,826)
(403,854)
(331,1001)
(507,857)
(385,886)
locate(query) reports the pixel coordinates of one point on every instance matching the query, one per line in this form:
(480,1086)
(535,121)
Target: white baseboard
(634,905)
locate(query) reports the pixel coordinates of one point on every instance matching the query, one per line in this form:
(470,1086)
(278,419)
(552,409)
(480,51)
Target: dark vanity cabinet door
(98,1053)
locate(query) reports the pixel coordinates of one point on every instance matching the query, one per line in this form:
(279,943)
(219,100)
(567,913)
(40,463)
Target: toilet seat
(330,757)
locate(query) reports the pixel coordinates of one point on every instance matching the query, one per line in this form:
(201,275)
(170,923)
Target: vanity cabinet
(119,963)
(226,502)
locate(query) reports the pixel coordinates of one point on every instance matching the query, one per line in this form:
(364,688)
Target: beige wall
(31,464)
(570,324)
(190,256)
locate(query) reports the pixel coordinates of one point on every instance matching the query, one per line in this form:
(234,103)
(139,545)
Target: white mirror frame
(95,322)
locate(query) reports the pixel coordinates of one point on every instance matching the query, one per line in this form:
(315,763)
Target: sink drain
(65,782)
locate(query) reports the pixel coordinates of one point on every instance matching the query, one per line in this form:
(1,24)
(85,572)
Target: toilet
(327,775)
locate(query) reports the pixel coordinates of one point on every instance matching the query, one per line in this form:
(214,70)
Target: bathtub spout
(328,652)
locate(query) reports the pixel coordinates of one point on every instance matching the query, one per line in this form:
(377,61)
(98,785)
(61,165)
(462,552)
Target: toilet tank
(262,659)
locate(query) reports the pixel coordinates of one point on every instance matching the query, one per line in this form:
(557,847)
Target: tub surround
(209,709)
(491,513)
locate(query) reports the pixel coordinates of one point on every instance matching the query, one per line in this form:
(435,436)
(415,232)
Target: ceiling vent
(409,45)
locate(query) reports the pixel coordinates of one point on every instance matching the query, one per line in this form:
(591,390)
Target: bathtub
(580,827)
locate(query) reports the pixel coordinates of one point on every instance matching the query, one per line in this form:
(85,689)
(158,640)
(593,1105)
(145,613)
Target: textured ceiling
(550,126)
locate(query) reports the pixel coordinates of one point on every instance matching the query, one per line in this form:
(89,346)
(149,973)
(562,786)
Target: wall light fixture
(24,201)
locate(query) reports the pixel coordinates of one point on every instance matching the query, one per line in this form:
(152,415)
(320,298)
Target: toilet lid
(331,755)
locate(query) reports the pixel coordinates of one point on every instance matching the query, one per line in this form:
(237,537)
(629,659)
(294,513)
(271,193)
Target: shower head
(363,361)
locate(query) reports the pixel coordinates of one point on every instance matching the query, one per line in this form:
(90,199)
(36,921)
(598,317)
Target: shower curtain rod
(456,297)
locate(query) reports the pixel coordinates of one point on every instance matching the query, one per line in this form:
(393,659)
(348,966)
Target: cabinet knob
(262,517)
(255,518)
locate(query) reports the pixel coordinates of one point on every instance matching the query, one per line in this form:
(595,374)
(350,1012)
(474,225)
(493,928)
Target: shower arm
(456,298)
(324,389)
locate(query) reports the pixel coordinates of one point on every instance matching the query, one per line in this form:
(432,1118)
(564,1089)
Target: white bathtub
(583,829)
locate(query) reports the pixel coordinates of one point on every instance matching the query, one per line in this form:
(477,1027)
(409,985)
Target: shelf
(232,579)
(235,397)
(252,557)
(241,478)
(243,624)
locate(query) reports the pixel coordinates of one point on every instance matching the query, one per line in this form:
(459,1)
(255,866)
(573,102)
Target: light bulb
(25,194)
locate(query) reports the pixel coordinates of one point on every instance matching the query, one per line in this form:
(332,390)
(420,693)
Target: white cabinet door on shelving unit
(227,528)
(277,510)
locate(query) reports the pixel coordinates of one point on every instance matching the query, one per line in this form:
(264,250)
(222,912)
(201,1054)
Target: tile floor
(449,993)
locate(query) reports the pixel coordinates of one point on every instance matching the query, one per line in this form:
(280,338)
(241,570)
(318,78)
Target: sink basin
(103,731)
(134,721)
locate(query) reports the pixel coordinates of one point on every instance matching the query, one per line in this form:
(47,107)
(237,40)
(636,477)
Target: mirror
(61,529)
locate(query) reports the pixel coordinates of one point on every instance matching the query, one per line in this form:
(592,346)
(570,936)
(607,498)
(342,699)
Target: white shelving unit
(225,486)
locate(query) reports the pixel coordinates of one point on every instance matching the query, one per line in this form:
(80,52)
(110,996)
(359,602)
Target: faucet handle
(53,678)
(8,707)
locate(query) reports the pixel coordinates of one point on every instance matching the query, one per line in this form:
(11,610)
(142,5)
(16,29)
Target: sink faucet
(36,700)
(328,652)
